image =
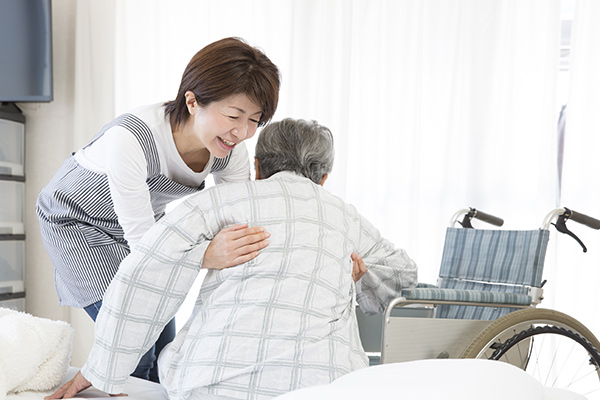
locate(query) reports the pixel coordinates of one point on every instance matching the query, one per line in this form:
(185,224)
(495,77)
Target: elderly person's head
(295,145)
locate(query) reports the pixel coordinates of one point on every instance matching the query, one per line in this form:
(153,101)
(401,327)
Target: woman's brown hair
(225,68)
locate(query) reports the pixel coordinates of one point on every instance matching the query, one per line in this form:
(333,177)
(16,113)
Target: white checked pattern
(282,321)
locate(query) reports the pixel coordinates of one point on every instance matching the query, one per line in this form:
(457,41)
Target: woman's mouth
(227,142)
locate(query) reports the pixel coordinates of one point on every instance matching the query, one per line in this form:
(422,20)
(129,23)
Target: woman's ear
(257,168)
(190,102)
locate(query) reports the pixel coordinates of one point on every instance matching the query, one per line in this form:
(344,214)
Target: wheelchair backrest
(490,260)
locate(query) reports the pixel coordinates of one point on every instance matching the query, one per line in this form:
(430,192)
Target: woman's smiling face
(222,124)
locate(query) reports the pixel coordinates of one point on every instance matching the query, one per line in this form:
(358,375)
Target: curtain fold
(94,80)
(93,106)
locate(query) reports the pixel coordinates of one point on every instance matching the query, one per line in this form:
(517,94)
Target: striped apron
(79,225)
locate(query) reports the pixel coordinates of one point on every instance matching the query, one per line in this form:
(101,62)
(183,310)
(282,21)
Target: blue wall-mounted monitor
(25,51)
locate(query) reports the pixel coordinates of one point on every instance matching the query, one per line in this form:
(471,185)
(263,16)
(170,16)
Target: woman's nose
(241,131)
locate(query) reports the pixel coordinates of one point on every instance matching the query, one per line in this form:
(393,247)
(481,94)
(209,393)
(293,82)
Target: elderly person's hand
(358,267)
(71,388)
(235,245)
(74,386)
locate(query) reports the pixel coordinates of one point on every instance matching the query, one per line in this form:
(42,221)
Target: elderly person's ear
(257,168)
(324,179)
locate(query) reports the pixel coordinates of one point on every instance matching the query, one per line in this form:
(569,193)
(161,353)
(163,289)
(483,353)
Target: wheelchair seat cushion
(472,296)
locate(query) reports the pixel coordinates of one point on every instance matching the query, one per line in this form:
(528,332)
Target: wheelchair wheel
(553,347)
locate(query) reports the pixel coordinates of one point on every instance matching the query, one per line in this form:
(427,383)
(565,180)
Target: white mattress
(447,379)
(425,380)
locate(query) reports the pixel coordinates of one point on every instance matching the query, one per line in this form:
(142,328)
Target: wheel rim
(555,356)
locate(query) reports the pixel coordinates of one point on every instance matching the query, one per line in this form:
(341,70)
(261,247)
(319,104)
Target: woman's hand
(234,245)
(358,267)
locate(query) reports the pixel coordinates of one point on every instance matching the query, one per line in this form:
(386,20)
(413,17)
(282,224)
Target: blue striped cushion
(514,257)
(486,266)
(476,296)
(472,312)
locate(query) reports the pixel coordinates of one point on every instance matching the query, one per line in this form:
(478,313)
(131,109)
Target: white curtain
(578,272)
(435,105)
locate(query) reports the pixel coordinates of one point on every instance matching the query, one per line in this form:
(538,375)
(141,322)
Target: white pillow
(34,352)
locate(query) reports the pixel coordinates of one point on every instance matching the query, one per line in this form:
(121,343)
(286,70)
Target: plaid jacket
(282,321)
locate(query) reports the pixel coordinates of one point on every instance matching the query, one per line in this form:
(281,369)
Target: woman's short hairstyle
(225,68)
(304,147)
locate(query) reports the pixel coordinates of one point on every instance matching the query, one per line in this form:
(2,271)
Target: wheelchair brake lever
(466,222)
(561,226)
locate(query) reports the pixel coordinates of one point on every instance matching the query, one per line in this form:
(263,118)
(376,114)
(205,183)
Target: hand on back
(235,245)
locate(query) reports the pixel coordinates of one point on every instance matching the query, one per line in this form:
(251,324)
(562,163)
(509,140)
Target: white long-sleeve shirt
(119,155)
(282,321)
(107,195)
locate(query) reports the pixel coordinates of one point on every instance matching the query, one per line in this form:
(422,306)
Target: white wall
(49,140)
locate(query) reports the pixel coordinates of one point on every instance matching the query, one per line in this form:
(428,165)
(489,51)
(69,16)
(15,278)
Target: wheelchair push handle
(562,215)
(471,213)
(584,219)
(489,218)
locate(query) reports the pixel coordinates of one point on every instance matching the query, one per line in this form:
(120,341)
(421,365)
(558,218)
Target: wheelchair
(485,306)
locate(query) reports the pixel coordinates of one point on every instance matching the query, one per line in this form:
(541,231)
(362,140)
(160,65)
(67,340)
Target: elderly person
(279,322)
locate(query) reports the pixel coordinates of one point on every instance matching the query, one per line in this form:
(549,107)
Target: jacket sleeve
(145,294)
(389,270)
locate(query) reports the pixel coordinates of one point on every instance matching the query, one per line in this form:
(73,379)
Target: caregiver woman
(109,193)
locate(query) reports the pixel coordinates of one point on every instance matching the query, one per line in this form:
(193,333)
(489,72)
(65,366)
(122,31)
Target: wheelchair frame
(512,338)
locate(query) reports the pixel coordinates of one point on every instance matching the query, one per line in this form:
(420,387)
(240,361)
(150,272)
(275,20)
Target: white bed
(447,379)
(35,352)
(424,380)
(137,389)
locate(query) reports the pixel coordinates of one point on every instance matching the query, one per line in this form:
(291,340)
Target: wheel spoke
(553,347)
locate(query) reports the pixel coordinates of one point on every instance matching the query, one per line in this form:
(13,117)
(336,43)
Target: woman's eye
(232,117)
(254,120)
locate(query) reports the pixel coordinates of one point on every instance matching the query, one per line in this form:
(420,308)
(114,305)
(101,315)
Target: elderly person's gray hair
(296,145)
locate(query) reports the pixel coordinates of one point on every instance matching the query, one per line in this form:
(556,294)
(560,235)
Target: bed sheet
(137,389)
